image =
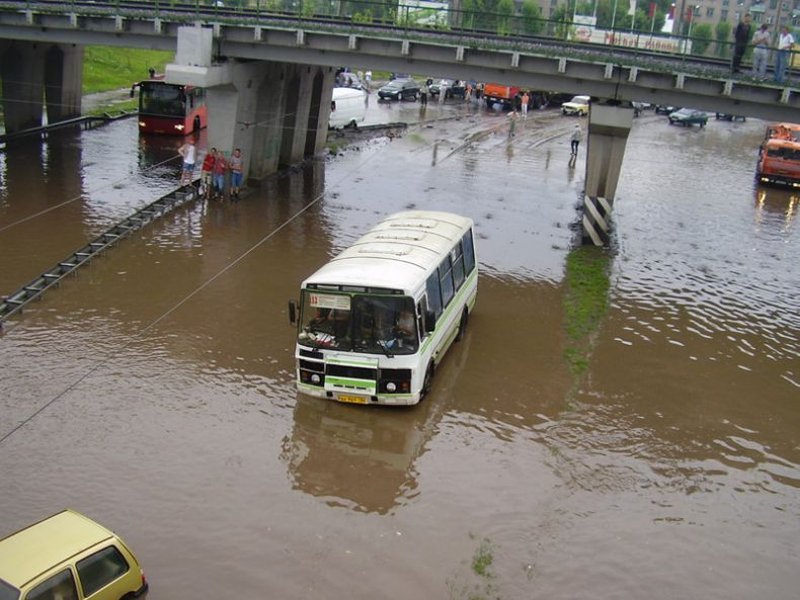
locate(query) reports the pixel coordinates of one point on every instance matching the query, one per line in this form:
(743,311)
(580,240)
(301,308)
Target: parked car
(579,105)
(399,89)
(730,117)
(347,79)
(68,556)
(688,117)
(454,88)
(665,109)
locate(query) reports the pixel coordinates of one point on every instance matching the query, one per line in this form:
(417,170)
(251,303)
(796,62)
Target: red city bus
(170,108)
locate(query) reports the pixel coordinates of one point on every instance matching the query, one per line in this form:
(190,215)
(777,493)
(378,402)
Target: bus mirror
(430,321)
(293,312)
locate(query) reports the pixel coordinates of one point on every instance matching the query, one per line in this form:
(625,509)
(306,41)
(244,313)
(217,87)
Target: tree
(505,12)
(723,36)
(701,38)
(532,22)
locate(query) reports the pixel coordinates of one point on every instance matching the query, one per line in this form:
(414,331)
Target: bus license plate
(352,399)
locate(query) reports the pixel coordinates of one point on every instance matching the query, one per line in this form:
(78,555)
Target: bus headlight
(315,379)
(391,387)
(179,127)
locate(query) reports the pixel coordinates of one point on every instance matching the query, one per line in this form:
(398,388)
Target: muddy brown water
(154,390)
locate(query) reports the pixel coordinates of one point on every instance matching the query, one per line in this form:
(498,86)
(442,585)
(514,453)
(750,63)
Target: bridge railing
(639,38)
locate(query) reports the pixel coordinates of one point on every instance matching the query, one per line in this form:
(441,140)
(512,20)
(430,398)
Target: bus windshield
(159,98)
(373,324)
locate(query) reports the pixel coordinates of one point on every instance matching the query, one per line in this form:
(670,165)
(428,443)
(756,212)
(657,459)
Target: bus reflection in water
(374,323)
(169,108)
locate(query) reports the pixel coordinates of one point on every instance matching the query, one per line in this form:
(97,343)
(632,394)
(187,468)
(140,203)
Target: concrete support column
(22,71)
(276,113)
(63,78)
(609,127)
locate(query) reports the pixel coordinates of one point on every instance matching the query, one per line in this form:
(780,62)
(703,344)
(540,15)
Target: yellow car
(68,557)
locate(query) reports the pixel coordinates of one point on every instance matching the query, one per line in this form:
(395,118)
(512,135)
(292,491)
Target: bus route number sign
(330,301)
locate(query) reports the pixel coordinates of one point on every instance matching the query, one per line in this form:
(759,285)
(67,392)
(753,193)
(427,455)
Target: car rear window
(101,568)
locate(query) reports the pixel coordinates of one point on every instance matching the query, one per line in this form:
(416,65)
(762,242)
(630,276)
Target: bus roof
(398,253)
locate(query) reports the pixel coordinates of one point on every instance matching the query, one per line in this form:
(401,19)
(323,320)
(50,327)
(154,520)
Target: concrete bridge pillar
(609,126)
(22,71)
(63,78)
(277,113)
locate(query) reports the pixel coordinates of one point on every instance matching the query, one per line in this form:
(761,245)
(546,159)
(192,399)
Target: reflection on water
(779,202)
(159,383)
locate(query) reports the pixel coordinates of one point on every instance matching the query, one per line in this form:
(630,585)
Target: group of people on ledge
(215,167)
(762,43)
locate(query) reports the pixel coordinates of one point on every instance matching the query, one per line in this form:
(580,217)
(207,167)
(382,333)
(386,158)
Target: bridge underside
(276,113)
(37,73)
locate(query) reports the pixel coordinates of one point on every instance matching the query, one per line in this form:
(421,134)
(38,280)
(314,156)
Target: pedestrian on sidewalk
(423,93)
(785,44)
(188,152)
(761,40)
(575,139)
(741,37)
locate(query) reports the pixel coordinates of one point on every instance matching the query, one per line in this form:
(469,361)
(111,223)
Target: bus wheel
(427,382)
(462,325)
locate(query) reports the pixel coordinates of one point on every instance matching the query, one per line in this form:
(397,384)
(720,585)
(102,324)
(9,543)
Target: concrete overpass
(270,77)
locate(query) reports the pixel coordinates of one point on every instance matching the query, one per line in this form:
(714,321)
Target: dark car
(665,109)
(348,79)
(688,117)
(730,117)
(399,89)
(454,88)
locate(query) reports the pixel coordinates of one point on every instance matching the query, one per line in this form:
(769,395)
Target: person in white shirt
(785,43)
(187,151)
(761,40)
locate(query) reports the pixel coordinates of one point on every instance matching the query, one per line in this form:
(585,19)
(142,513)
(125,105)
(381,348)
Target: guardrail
(86,122)
(481,29)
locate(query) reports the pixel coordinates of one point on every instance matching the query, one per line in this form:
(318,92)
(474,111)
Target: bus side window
(469,252)
(434,292)
(457,258)
(422,307)
(446,278)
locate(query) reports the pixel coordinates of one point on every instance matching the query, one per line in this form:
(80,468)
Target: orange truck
(779,155)
(503,94)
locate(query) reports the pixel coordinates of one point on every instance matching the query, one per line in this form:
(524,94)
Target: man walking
(575,139)
(761,51)
(741,36)
(785,43)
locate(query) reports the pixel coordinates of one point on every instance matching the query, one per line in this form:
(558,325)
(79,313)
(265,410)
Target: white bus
(375,321)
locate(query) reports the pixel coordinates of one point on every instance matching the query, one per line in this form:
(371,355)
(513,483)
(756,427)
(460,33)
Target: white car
(579,105)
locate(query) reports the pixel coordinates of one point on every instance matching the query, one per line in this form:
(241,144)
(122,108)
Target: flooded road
(154,391)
